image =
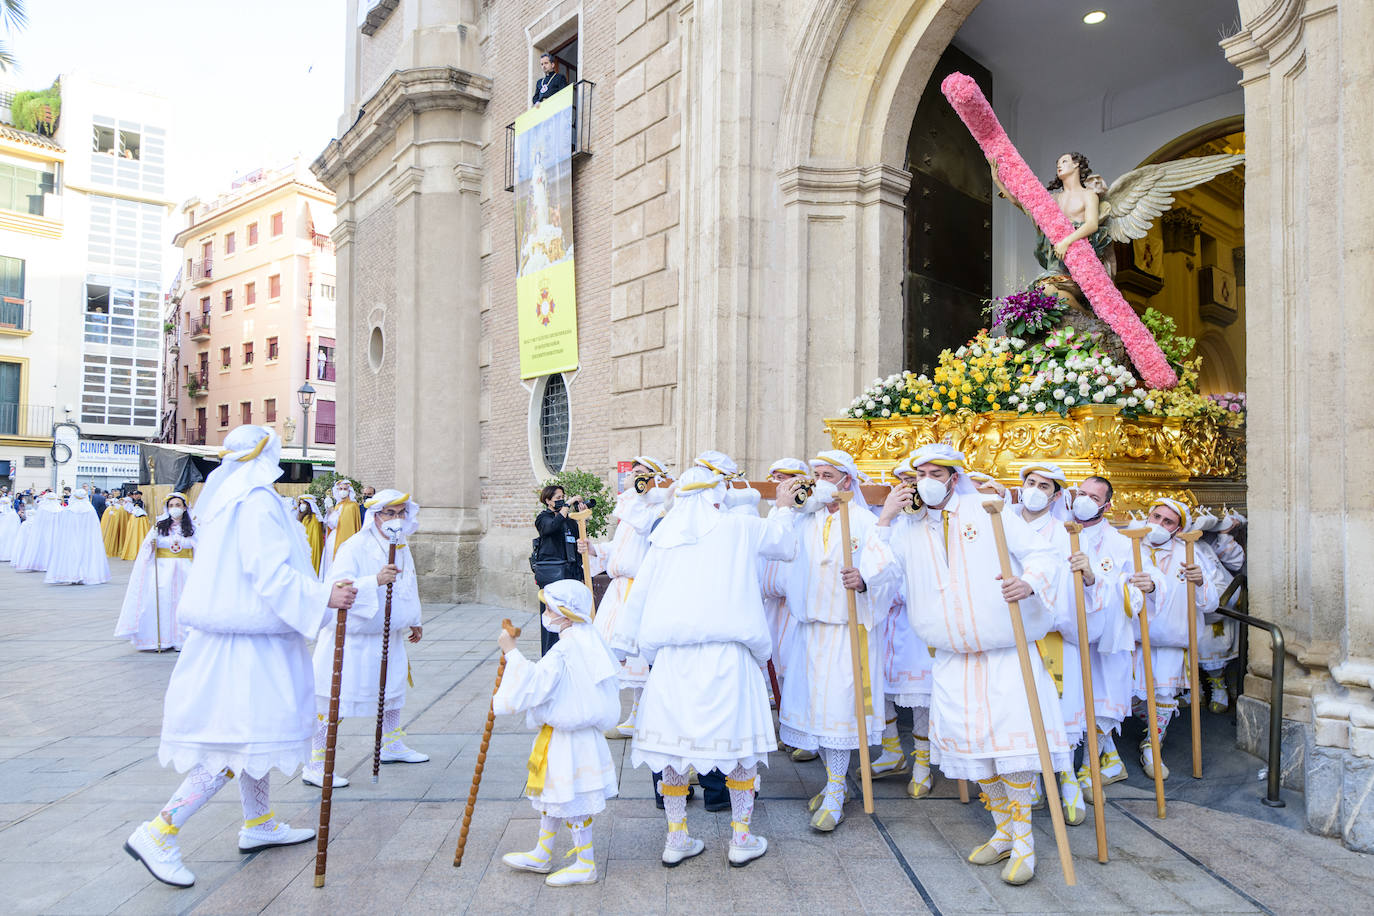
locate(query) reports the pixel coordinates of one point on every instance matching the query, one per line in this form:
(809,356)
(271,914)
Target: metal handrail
(1241,590)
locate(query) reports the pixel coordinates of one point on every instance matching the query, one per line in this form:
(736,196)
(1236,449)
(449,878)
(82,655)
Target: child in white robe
(362,559)
(572,696)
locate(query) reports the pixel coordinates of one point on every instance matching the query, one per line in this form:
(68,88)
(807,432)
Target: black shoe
(718,806)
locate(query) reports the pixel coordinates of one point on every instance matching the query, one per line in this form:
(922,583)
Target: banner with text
(545,292)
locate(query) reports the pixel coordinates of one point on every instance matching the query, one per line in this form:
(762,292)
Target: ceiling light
(1095,17)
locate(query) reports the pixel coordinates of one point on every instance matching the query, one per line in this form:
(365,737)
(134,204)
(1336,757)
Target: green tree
(577,482)
(321,485)
(14,18)
(37,111)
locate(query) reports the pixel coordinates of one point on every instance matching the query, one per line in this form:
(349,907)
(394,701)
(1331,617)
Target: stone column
(1306,67)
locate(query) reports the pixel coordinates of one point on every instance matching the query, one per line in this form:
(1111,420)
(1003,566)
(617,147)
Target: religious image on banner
(545,290)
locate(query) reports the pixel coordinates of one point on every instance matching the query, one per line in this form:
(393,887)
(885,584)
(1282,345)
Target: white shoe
(159,855)
(313,777)
(251,839)
(577,873)
(741,855)
(673,857)
(1071,795)
(524,861)
(622,731)
(890,764)
(1147,763)
(396,752)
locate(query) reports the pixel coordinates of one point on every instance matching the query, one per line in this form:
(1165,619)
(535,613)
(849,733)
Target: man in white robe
(78,556)
(1104,558)
(636,511)
(1166,597)
(34,546)
(980,722)
(817,711)
(241,698)
(773,587)
(362,559)
(696,617)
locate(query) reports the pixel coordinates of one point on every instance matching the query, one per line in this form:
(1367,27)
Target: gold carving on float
(1197,460)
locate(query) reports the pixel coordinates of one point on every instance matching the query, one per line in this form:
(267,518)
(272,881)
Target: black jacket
(98,502)
(557,538)
(555,83)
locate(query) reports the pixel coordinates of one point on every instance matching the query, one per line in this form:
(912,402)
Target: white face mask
(176,511)
(933,492)
(1085,508)
(553,622)
(393,528)
(1158,536)
(1034,498)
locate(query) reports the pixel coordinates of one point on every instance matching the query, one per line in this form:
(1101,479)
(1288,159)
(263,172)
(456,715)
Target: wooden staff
(865,772)
(1061,834)
(581,519)
(1189,540)
(381,690)
(773,680)
(331,737)
(963,791)
(1151,727)
(482,751)
(1089,705)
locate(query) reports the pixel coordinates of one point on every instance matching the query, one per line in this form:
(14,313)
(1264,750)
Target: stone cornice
(844,184)
(468,178)
(405,182)
(343,233)
(404,93)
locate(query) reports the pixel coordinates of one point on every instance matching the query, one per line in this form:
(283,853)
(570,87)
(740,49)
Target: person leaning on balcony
(550,82)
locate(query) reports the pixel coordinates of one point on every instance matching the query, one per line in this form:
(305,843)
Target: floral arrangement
(1233,402)
(1175,347)
(973,108)
(1027,313)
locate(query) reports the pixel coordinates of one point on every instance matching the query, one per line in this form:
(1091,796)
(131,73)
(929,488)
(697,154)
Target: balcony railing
(31,421)
(200,327)
(195,435)
(324,433)
(202,271)
(199,384)
(581,139)
(15,316)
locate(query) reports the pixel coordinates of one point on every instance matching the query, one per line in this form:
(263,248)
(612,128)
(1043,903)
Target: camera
(589,503)
(805,487)
(643,482)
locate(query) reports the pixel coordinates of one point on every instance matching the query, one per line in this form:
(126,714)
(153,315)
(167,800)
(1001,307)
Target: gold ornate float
(1199,460)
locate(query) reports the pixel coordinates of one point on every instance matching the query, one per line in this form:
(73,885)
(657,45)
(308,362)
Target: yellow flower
(966,388)
(994,406)
(906,403)
(966,400)
(950,406)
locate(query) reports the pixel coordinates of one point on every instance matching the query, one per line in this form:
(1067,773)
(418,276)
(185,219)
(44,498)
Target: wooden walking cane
(331,739)
(482,751)
(386,645)
(1089,705)
(1151,728)
(860,696)
(1194,687)
(1061,833)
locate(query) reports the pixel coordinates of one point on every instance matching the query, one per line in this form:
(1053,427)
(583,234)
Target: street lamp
(306,395)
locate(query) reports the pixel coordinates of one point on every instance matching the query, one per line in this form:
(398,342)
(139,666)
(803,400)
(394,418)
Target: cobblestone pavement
(80,714)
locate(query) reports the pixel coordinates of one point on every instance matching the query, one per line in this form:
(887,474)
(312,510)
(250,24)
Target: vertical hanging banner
(545,292)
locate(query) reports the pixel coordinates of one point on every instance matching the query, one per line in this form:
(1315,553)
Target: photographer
(557,550)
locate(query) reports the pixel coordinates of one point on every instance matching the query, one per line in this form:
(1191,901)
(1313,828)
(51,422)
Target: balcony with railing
(198,385)
(25,421)
(324,433)
(202,271)
(15,316)
(195,435)
(200,327)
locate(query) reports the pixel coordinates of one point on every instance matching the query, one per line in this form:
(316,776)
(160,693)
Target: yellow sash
(186,553)
(866,677)
(538,764)
(1052,652)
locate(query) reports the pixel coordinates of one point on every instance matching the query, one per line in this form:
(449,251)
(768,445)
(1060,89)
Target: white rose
(1024,389)
(1139,392)
(1059,394)
(870,405)
(1039,406)
(1100,397)
(961,352)
(1072,377)
(887,399)
(886,412)
(1121,402)
(1013,399)
(1110,391)
(1132,401)
(1149,404)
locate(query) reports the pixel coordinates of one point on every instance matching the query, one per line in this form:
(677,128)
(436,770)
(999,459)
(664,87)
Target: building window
(274,286)
(250,294)
(245,412)
(327,291)
(12,293)
(273,351)
(269,410)
(223,415)
(248,353)
(224,357)
(324,422)
(252,234)
(126,144)
(228,300)
(554,423)
(278,224)
(22,189)
(97,299)
(229,241)
(324,366)
(11,383)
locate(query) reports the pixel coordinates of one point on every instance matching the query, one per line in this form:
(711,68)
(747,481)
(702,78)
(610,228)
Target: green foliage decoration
(576,482)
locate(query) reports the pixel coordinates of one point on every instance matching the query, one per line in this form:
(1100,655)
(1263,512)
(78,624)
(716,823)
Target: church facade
(771,210)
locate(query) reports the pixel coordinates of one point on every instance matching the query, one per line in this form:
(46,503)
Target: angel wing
(1136,199)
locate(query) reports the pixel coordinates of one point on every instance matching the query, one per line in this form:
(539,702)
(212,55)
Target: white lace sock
(195,790)
(740,782)
(392,734)
(836,762)
(673,788)
(994,798)
(256,795)
(1106,744)
(1020,788)
(317,743)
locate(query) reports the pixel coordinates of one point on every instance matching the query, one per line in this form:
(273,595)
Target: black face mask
(559,504)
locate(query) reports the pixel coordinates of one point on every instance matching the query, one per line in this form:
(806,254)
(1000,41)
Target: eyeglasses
(387,515)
